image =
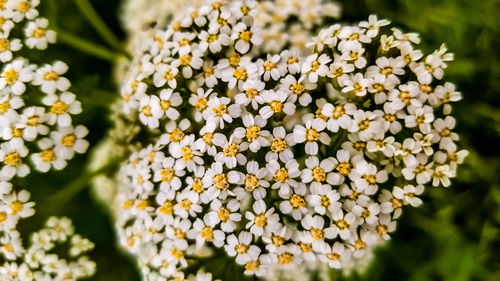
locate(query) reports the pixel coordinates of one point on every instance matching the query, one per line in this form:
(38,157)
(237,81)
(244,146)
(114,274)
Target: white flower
(373,25)
(315,67)
(7,47)
(270,68)
(261,219)
(295,203)
(49,78)
(23,8)
(318,173)
(213,40)
(225,215)
(284,177)
(339,116)
(298,89)
(48,157)
(277,104)
(311,134)
(12,157)
(17,204)
(324,198)
(420,117)
(151,111)
(167,175)
(254,181)
(251,94)
(165,74)
(38,36)
(61,107)
(232,149)
(356,84)
(253,133)
(168,103)
(280,145)
(218,112)
(188,62)
(15,74)
(244,35)
(69,140)
(367,177)
(342,225)
(205,232)
(334,255)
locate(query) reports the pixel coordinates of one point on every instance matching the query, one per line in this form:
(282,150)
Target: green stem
(86,46)
(68,192)
(99,25)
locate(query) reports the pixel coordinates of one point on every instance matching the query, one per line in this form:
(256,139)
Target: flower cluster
(38,262)
(35,126)
(279,159)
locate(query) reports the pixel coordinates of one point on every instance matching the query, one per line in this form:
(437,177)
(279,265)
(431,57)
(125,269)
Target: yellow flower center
(187,153)
(281,175)
(297,201)
(251,182)
(186,204)
(4,44)
(278,145)
(224,214)
(297,88)
(240,74)
(220,181)
(207,233)
(315,65)
(69,140)
(167,174)
(16,207)
(38,33)
(241,248)
(198,185)
(176,135)
(231,150)
(364,124)
(167,208)
(318,174)
(11,76)
(317,233)
(276,106)
(261,220)
(13,159)
(312,135)
(371,179)
(269,65)
(246,35)
(59,108)
(185,59)
(285,258)
(48,155)
(253,132)
(344,168)
(50,76)
(220,110)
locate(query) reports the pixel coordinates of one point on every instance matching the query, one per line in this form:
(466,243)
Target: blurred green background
(454,236)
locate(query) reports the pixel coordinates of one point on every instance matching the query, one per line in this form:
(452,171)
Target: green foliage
(454,236)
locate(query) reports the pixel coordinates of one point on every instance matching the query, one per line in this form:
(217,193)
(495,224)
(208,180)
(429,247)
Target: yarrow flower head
(37,133)
(278,157)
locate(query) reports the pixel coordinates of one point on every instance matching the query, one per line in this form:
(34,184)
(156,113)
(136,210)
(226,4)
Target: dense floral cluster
(39,262)
(279,159)
(36,125)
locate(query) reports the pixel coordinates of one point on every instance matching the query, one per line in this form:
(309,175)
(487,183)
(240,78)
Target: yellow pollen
(344,168)
(278,145)
(318,174)
(240,74)
(187,153)
(285,258)
(13,159)
(59,108)
(297,201)
(312,135)
(165,104)
(212,38)
(4,107)
(220,110)
(167,208)
(51,76)
(342,224)
(251,93)
(186,204)
(253,132)
(176,135)
(220,181)
(185,59)
(371,179)
(364,124)
(317,233)
(261,220)
(381,229)
(201,104)
(17,132)
(224,214)
(315,65)
(292,60)
(297,88)
(241,248)
(142,204)
(38,33)
(23,6)
(277,106)
(246,36)
(167,174)
(11,76)
(333,256)
(208,138)
(277,240)
(231,150)
(251,182)
(305,247)
(252,265)
(207,233)
(269,65)
(198,185)
(4,44)
(325,201)
(48,155)
(359,245)
(234,60)
(281,175)
(386,70)
(69,140)
(176,253)
(16,207)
